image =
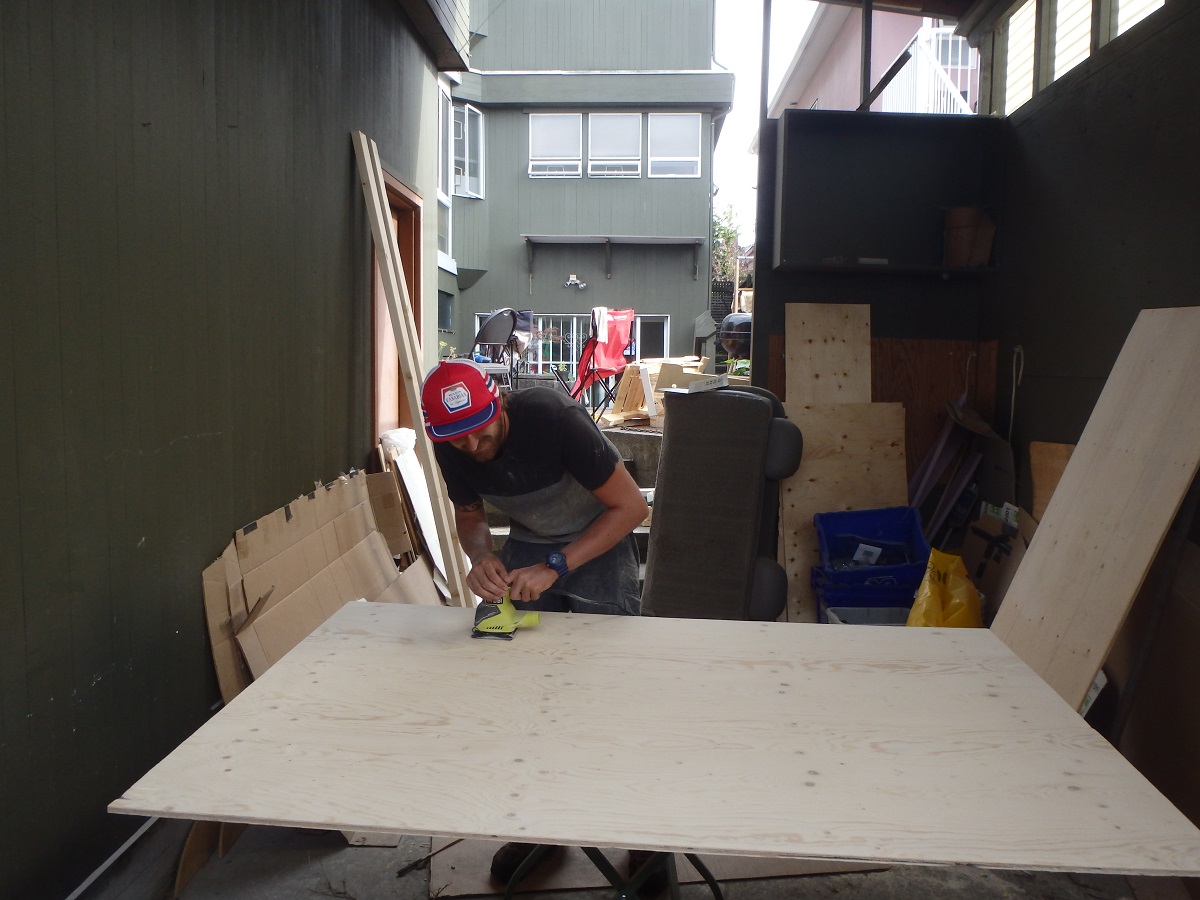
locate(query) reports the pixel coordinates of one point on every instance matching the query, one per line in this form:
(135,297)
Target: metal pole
(865,77)
(765,67)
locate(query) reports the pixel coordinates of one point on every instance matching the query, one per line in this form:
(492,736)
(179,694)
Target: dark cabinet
(887,192)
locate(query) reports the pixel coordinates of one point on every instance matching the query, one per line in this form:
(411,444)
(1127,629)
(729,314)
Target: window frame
(652,157)
(596,161)
(445,175)
(1105,28)
(570,166)
(464,114)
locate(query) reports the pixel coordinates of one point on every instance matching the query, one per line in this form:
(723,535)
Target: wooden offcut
(853,459)
(1047,462)
(1118,495)
(885,745)
(828,352)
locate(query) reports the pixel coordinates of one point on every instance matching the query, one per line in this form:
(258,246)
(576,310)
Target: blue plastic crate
(867,615)
(895,531)
(862,596)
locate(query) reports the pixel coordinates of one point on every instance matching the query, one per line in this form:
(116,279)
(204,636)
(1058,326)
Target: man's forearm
(473,531)
(626,508)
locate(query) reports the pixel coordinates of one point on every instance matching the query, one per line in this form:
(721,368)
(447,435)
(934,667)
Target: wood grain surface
(853,459)
(828,352)
(744,738)
(1112,507)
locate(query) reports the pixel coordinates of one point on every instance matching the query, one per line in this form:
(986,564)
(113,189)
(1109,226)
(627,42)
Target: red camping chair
(603,355)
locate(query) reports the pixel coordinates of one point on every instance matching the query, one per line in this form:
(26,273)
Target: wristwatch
(558,563)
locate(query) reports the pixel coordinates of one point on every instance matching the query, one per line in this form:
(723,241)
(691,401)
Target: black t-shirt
(543,477)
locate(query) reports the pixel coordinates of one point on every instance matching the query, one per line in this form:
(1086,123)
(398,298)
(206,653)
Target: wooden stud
(391,269)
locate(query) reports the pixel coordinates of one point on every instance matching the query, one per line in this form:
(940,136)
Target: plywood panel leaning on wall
(853,459)
(1118,495)
(828,352)
(854,456)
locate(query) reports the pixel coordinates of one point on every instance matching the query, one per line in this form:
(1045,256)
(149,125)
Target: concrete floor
(290,864)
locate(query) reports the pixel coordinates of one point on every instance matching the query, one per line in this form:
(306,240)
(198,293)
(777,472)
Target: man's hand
(529,583)
(488,578)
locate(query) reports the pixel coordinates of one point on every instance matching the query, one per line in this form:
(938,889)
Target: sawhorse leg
(626,889)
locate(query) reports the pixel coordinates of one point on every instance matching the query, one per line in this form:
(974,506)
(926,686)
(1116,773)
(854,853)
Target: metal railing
(554,344)
(941,77)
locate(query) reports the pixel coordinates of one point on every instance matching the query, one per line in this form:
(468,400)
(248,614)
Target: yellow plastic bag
(946,597)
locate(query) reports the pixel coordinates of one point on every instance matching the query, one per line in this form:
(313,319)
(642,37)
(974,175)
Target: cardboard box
(286,573)
(992,550)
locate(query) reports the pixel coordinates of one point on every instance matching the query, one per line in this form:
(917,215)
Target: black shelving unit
(862,193)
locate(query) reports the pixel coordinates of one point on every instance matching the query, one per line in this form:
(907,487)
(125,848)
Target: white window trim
(597,162)
(652,159)
(445,175)
(462,182)
(572,167)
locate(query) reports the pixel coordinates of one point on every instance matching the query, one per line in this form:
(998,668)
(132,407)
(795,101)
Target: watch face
(557,561)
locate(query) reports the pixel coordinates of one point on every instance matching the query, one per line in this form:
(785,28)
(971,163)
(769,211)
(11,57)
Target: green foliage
(725,248)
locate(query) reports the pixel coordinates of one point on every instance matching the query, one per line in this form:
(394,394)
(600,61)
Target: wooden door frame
(389,407)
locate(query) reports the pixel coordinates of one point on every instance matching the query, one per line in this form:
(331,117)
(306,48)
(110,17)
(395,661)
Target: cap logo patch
(456,397)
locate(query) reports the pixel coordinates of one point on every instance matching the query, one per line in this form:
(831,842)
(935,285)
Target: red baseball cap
(457,398)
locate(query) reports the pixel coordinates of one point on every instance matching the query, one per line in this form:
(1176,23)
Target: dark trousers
(606,585)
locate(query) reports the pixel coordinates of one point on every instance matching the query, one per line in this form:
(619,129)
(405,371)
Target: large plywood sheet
(1117,497)
(715,737)
(828,352)
(853,459)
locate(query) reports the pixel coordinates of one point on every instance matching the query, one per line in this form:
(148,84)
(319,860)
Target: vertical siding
(184,279)
(595,34)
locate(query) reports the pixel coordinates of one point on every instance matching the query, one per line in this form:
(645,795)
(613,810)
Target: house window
(615,145)
(445,168)
(1130,12)
(445,311)
(1072,34)
(555,145)
(673,145)
(1018,80)
(1035,48)
(468,151)
(651,337)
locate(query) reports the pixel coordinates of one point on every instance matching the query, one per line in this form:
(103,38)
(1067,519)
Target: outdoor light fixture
(572,281)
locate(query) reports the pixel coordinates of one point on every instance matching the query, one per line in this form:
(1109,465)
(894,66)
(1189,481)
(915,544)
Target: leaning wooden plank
(853,459)
(1117,497)
(395,287)
(202,839)
(828,352)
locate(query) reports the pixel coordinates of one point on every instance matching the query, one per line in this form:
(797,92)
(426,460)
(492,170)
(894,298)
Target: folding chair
(495,347)
(603,356)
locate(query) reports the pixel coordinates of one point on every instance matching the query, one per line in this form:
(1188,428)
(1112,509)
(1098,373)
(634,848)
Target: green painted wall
(593,34)
(580,56)
(184,283)
(658,279)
